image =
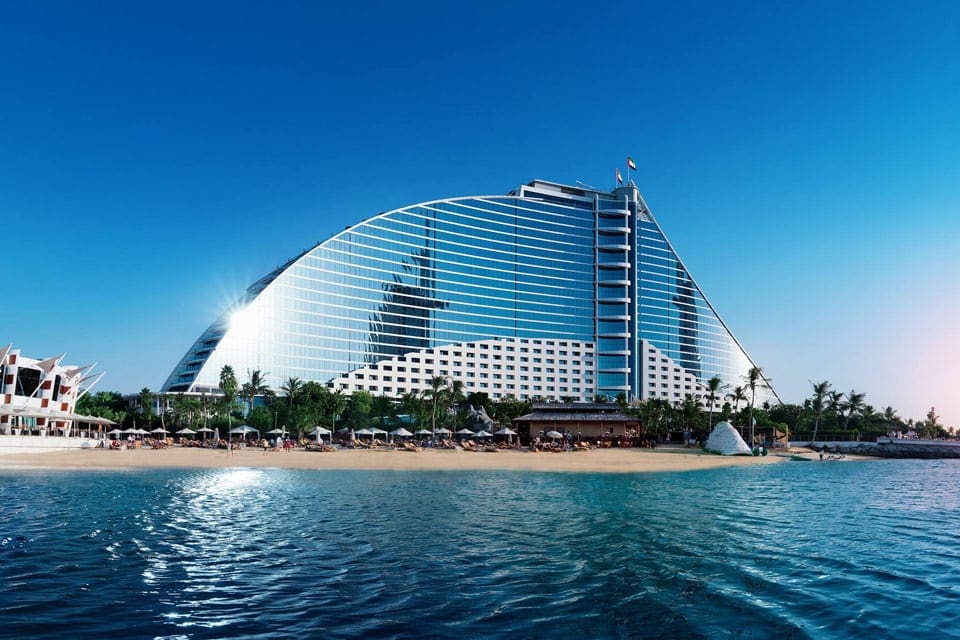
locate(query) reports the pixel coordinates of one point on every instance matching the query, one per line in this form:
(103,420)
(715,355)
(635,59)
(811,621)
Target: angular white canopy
(30,412)
(725,440)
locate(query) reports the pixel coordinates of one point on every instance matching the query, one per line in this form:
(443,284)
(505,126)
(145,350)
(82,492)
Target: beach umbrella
(115,433)
(159,430)
(204,430)
(319,431)
(444,431)
(403,433)
(554,434)
(483,434)
(275,432)
(364,432)
(424,432)
(506,431)
(243,429)
(464,432)
(186,431)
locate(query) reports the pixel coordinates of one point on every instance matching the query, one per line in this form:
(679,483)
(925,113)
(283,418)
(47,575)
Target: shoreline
(592,461)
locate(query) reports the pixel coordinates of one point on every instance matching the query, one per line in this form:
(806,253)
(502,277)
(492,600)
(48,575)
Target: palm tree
(891,418)
(292,388)
(454,397)
(382,407)
(689,412)
(754,379)
(434,396)
(146,404)
(713,386)
(833,403)
(738,395)
(178,407)
(191,408)
(255,386)
(228,386)
(412,404)
(852,404)
(820,391)
(335,404)
(655,416)
(204,412)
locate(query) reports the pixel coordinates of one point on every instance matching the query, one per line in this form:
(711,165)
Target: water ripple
(778,551)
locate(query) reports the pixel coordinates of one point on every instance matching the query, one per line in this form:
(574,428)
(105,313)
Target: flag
(631,164)
(619,177)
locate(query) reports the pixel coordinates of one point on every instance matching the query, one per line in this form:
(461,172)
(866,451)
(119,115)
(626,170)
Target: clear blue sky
(804,159)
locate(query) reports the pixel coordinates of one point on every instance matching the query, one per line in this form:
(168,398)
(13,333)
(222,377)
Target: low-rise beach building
(579,420)
(40,395)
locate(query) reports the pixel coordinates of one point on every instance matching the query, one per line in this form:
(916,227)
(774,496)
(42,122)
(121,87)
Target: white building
(41,395)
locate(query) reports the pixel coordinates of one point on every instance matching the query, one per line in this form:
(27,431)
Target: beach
(592,461)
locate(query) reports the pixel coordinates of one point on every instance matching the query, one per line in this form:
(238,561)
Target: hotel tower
(551,292)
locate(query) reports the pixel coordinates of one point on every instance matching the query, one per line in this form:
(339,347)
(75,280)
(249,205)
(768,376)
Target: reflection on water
(817,550)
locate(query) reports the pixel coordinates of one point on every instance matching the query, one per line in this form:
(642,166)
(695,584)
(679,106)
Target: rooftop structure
(551,291)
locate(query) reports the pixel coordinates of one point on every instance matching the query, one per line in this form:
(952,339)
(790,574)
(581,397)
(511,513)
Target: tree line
(298,406)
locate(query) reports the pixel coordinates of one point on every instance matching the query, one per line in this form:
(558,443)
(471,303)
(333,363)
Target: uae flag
(619,177)
(631,163)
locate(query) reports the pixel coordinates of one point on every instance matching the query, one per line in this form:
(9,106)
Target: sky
(803,158)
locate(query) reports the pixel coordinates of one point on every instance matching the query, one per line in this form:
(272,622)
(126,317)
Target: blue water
(818,550)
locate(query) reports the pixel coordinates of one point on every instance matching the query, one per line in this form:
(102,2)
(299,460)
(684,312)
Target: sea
(845,549)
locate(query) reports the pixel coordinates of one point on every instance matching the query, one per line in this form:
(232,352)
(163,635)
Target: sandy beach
(593,461)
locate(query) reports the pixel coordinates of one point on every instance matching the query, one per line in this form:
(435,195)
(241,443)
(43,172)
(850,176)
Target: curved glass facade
(547,268)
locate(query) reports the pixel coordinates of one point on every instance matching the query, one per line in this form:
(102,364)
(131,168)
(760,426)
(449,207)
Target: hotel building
(550,292)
